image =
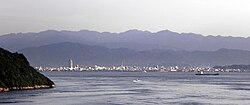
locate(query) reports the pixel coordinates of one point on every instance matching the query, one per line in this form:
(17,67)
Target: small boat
(136,80)
(202,73)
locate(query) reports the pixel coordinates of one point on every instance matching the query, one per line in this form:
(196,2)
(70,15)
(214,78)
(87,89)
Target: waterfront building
(70,64)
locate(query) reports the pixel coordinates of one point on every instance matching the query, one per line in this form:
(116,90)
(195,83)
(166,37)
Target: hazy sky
(216,17)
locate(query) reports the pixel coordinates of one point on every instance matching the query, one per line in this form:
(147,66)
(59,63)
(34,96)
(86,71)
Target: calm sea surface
(118,88)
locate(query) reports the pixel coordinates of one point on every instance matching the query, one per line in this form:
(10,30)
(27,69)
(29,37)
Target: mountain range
(86,55)
(131,39)
(133,47)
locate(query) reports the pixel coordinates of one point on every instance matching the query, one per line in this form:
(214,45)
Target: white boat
(136,80)
(202,73)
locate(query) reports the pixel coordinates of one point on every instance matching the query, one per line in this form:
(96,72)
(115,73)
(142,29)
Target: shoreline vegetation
(17,74)
(26,88)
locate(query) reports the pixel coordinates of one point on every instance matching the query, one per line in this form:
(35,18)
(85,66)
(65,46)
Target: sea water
(153,88)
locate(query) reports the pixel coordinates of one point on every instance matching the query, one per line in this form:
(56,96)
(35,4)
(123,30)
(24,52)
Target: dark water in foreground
(118,88)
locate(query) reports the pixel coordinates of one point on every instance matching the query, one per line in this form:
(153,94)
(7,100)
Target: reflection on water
(118,88)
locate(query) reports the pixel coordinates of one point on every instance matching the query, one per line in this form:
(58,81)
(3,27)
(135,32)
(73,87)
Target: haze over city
(120,52)
(207,17)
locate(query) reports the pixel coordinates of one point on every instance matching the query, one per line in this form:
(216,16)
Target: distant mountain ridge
(131,39)
(86,55)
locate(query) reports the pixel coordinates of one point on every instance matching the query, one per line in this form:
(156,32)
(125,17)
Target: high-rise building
(70,64)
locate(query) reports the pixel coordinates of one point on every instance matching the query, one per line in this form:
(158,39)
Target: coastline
(26,88)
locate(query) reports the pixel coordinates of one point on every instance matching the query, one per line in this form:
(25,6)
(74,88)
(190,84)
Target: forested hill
(16,73)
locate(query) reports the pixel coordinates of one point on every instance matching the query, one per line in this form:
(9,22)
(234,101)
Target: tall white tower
(70,64)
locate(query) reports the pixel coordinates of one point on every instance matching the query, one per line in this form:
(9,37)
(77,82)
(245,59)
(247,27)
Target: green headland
(17,74)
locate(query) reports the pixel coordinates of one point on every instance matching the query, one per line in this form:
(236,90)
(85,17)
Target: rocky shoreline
(26,88)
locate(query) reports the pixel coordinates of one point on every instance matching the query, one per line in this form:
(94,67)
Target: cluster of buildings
(156,68)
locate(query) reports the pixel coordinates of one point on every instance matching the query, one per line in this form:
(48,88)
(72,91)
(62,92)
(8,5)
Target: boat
(202,73)
(136,80)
